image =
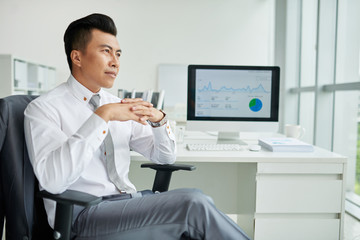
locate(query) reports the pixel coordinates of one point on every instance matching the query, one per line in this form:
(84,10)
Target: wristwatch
(158,124)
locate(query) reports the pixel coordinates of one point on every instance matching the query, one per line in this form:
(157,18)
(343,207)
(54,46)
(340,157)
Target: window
(322,79)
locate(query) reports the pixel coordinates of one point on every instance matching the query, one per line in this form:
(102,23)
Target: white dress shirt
(65,143)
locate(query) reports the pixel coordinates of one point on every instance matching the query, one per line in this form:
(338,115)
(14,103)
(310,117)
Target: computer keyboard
(213,147)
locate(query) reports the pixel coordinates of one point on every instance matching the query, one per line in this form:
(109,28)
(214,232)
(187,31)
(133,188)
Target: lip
(111,73)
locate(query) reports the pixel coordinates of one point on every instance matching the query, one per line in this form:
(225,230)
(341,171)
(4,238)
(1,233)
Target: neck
(82,81)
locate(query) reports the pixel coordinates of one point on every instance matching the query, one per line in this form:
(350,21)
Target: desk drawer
(301,168)
(300,194)
(297,229)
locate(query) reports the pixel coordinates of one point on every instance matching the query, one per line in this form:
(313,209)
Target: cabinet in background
(18,76)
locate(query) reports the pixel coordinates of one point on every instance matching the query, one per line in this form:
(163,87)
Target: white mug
(294,131)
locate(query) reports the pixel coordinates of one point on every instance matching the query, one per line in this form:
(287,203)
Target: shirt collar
(80,91)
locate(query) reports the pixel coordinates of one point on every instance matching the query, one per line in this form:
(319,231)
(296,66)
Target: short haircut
(78,33)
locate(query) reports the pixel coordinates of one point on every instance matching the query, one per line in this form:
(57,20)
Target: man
(67,132)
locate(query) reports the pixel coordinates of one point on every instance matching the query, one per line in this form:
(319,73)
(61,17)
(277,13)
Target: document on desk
(285,145)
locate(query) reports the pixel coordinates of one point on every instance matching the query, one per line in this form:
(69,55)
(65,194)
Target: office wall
(150,32)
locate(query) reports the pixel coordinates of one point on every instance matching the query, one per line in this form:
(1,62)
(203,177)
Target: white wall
(150,32)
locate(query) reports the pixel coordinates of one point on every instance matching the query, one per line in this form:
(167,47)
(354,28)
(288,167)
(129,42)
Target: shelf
(19,76)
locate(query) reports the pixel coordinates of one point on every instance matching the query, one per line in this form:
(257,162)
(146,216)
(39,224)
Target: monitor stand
(229,138)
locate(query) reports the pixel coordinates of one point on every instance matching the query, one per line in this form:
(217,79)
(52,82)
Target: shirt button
(105,153)
(104,132)
(85,98)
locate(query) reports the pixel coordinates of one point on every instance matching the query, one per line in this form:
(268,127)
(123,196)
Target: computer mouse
(254,148)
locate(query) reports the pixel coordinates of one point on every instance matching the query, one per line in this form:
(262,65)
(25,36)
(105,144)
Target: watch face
(153,124)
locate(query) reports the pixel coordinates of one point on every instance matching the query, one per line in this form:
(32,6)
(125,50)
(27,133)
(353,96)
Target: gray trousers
(176,214)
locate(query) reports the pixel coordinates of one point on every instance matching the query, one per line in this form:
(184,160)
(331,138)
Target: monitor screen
(233,98)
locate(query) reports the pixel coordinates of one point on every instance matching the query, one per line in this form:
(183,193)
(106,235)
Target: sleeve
(157,144)
(58,160)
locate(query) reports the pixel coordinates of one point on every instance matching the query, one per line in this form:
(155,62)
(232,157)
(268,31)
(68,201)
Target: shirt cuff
(94,129)
(159,133)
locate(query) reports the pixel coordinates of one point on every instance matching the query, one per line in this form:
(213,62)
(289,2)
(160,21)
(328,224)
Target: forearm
(156,144)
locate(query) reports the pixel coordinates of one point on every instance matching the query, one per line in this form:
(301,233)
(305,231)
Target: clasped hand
(130,109)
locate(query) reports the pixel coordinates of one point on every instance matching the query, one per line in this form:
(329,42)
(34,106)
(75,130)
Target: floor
(352,228)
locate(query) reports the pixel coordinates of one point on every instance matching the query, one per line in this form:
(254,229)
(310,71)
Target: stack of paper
(285,145)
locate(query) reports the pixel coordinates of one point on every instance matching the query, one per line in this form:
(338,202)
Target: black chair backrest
(24,213)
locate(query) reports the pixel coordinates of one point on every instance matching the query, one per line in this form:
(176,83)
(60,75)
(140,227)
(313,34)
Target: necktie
(109,149)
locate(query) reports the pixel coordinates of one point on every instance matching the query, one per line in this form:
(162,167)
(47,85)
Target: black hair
(78,33)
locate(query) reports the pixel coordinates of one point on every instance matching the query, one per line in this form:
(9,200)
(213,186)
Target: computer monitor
(233,99)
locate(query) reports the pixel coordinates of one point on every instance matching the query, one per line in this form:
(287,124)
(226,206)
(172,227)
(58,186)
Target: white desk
(270,195)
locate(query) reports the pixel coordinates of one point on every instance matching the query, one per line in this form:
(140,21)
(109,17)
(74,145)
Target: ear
(76,57)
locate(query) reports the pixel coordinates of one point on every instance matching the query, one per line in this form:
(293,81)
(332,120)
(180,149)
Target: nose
(115,62)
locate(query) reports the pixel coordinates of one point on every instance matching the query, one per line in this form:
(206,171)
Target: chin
(109,84)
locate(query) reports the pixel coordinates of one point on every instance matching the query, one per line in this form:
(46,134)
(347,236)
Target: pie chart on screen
(255,105)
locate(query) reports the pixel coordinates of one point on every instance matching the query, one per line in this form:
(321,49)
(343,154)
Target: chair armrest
(168,167)
(163,174)
(72,197)
(64,209)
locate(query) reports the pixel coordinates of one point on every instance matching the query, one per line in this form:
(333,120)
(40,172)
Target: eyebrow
(111,48)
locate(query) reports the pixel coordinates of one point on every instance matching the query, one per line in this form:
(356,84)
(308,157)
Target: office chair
(20,199)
